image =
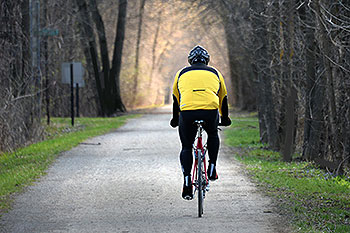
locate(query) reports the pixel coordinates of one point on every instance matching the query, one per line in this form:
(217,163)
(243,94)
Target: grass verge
(25,165)
(316,200)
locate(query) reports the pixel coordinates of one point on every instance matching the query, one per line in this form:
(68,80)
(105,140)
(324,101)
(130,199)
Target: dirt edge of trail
(284,222)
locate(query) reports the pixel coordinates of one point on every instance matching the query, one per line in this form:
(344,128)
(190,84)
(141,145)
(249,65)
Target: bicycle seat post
(199,124)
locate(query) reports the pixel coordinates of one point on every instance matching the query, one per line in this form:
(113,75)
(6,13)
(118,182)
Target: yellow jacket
(199,87)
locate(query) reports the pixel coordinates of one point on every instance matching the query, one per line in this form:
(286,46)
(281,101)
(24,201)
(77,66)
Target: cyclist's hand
(174,122)
(225,121)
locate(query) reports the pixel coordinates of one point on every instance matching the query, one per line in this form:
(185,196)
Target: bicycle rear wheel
(200,186)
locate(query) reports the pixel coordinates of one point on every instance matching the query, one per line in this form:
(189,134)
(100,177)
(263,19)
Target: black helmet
(198,54)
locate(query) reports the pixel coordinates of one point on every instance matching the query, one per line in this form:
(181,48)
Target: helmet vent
(198,55)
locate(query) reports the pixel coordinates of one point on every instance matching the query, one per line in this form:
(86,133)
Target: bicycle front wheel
(200,186)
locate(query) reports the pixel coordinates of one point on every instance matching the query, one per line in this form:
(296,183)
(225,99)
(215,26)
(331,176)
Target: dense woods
(287,60)
(301,63)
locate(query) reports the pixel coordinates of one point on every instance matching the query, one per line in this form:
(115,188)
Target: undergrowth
(317,200)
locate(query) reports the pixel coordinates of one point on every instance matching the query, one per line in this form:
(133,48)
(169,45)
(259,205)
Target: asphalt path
(130,180)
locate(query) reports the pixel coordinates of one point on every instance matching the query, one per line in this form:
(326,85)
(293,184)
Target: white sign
(78,73)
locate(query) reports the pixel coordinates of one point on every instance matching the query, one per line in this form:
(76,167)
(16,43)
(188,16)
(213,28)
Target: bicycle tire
(200,186)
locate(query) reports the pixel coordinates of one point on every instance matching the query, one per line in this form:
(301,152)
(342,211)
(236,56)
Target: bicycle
(200,179)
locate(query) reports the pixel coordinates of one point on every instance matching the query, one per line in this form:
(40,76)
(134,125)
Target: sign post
(77,98)
(72,73)
(72,93)
(46,33)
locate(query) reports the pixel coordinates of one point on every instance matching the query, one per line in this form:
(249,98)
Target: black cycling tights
(188,130)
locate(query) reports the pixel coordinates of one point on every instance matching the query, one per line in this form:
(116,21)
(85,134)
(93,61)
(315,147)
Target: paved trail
(132,183)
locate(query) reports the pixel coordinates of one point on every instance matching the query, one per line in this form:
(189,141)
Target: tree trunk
(46,67)
(287,11)
(316,124)
(117,58)
(346,154)
(270,115)
(316,83)
(326,45)
(88,34)
(309,18)
(289,108)
(290,126)
(137,53)
(263,58)
(108,84)
(154,47)
(25,47)
(261,105)
(236,84)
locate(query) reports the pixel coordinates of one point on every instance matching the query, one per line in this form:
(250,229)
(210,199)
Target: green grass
(316,200)
(244,132)
(25,165)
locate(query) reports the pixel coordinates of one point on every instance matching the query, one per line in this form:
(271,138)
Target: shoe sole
(213,179)
(188,198)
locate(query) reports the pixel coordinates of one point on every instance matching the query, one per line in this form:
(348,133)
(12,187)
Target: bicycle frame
(196,149)
(199,151)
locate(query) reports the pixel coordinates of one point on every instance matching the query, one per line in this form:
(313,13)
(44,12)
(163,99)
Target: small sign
(78,73)
(49,32)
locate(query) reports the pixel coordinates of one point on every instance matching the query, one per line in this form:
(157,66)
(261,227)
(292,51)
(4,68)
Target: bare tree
(137,51)
(109,89)
(263,72)
(17,117)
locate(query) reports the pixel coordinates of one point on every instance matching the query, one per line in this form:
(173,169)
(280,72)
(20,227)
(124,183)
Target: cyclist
(199,93)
